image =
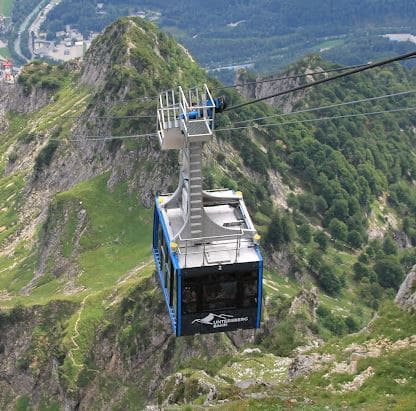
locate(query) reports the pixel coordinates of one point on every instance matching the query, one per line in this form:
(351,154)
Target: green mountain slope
(82,320)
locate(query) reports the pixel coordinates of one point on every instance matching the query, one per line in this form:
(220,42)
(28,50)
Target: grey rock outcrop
(306,364)
(406,296)
(275,85)
(306,300)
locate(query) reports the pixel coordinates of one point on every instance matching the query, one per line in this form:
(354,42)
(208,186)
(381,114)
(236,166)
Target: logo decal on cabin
(219,320)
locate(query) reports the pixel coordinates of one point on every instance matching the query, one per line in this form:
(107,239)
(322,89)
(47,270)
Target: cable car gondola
(204,243)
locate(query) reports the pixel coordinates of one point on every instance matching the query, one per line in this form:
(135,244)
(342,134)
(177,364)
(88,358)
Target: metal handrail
(222,247)
(215,237)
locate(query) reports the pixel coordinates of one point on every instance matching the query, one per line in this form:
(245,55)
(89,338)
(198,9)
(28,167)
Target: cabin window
(174,288)
(220,295)
(190,297)
(219,292)
(170,282)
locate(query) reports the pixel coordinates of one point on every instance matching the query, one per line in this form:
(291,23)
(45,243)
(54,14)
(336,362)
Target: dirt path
(73,338)
(129,274)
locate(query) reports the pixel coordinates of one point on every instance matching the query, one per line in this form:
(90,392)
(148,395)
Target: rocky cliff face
(406,297)
(30,354)
(262,87)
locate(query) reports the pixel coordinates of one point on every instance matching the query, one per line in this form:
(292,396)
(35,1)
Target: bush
(354,239)
(389,246)
(315,260)
(284,337)
(330,321)
(281,230)
(389,272)
(45,156)
(12,157)
(328,280)
(360,271)
(408,258)
(338,229)
(322,240)
(305,233)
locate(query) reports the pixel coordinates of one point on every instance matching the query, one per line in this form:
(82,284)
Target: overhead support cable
(81,137)
(295,76)
(347,103)
(84,138)
(113,117)
(315,120)
(326,80)
(290,77)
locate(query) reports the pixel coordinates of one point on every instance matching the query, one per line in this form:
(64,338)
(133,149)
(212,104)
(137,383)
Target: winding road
(23,27)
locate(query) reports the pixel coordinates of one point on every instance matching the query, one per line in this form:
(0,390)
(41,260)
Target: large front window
(219,291)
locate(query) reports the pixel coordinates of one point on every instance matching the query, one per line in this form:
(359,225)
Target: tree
(322,240)
(339,209)
(305,233)
(307,203)
(288,227)
(281,230)
(354,239)
(315,260)
(364,258)
(320,204)
(351,324)
(389,272)
(338,229)
(360,271)
(370,293)
(390,246)
(274,236)
(328,280)
(292,201)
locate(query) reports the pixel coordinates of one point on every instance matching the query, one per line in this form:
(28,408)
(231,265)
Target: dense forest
(269,34)
(347,168)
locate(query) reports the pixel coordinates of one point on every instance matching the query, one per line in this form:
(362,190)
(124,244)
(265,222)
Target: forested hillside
(82,318)
(267,33)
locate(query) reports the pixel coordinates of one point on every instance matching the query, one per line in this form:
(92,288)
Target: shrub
(45,156)
(328,280)
(12,157)
(360,271)
(389,272)
(305,233)
(354,239)
(280,231)
(322,240)
(389,246)
(338,229)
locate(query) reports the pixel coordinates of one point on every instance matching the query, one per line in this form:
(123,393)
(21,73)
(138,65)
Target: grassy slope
(391,386)
(381,389)
(17,269)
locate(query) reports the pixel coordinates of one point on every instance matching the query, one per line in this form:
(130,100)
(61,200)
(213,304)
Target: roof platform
(229,234)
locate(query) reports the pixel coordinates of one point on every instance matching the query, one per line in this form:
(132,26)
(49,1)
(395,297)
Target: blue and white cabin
(205,245)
